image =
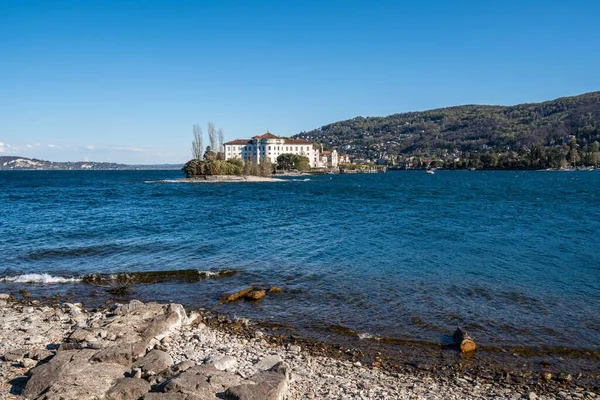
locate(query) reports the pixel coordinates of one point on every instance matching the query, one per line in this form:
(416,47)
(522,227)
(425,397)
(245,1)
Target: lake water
(512,256)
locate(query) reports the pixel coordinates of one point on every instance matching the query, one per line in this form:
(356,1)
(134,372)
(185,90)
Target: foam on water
(38,278)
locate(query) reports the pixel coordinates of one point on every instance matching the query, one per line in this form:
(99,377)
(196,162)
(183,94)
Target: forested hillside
(555,133)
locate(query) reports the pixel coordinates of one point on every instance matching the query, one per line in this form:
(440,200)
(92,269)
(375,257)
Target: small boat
(430,172)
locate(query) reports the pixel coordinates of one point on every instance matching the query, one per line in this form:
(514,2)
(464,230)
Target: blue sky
(125,80)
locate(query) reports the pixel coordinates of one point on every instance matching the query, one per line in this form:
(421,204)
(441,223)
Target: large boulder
(154,362)
(265,385)
(202,380)
(70,375)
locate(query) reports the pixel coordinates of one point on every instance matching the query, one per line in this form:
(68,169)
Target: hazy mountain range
(24,163)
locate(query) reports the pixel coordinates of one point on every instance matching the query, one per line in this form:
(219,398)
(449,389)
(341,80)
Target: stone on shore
(128,389)
(266,385)
(69,375)
(154,362)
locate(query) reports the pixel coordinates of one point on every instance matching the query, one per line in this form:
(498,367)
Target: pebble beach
(67,352)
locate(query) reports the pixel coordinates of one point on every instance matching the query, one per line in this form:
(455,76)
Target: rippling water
(513,256)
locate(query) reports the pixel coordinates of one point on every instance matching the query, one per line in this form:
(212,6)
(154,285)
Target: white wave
(366,335)
(210,274)
(38,278)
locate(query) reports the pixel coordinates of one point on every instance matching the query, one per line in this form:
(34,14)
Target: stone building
(270,147)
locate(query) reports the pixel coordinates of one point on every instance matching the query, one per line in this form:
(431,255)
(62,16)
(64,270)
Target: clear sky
(125,80)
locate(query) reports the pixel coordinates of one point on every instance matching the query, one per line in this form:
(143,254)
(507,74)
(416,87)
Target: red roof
(238,141)
(267,135)
(296,141)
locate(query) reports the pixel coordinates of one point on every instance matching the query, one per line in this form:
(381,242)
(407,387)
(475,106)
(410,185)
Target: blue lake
(513,256)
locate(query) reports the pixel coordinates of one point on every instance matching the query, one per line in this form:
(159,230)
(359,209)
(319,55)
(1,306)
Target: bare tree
(197,145)
(221,137)
(212,137)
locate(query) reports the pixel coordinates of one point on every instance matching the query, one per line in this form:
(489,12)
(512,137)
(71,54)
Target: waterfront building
(328,159)
(270,147)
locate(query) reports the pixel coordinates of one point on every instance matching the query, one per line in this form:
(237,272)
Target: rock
(15,355)
(28,363)
(4,296)
(128,389)
(531,396)
(71,346)
(175,396)
(69,376)
(27,310)
(40,354)
(161,326)
(294,348)
(463,341)
(201,380)
(122,354)
(256,295)
(268,362)
(81,335)
(3,303)
(564,377)
(222,363)
(229,297)
(154,362)
(275,290)
(185,365)
(268,385)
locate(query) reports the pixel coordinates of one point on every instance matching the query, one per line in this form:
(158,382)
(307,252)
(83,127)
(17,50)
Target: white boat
(430,172)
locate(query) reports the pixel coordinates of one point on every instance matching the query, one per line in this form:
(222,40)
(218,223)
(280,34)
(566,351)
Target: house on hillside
(328,159)
(270,147)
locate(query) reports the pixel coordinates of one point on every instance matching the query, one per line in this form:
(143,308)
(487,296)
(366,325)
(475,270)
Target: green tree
(289,161)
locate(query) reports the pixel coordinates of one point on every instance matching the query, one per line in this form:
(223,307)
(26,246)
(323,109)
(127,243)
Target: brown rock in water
(256,294)
(275,290)
(228,297)
(464,341)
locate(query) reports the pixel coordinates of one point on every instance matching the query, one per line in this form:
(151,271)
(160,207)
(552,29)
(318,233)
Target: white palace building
(270,147)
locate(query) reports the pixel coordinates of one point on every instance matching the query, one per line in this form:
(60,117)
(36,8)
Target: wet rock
(229,297)
(256,295)
(464,341)
(128,389)
(267,385)
(154,362)
(275,290)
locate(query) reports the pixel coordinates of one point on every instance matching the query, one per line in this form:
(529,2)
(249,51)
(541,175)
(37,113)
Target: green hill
(550,134)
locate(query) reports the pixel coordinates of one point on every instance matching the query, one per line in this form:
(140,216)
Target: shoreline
(221,179)
(315,366)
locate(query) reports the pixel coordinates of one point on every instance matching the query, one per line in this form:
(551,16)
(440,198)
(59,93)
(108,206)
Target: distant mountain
(24,163)
(455,131)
